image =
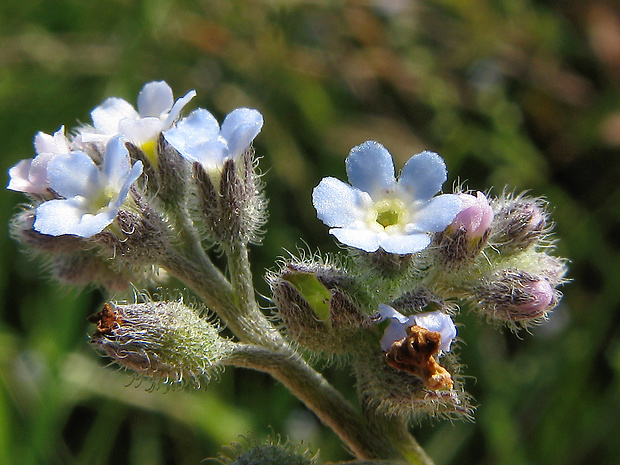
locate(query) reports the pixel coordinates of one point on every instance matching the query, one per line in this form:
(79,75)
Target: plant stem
(265,334)
(319,396)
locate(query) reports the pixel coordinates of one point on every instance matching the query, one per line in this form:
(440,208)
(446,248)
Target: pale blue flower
(436,321)
(199,138)
(157,111)
(92,194)
(30,176)
(379,211)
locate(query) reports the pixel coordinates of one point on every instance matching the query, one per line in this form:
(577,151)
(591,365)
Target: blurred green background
(521,93)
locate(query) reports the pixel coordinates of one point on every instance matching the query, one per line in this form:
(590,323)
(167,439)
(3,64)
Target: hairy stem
(319,396)
(243,285)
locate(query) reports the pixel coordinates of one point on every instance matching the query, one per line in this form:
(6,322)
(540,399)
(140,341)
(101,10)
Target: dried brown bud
(416,353)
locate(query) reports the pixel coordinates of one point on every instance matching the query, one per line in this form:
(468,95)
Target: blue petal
(175,111)
(199,127)
(394,332)
(107,115)
(403,244)
(363,239)
(132,176)
(438,321)
(371,169)
(241,117)
(154,99)
(60,217)
(73,174)
(423,175)
(337,204)
(211,154)
(116,162)
(389,312)
(436,214)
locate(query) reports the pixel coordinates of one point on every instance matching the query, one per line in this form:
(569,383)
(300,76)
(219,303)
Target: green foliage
(520,93)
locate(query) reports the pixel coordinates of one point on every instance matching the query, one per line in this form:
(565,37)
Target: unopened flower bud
(519,222)
(466,236)
(267,452)
(167,342)
(475,217)
(321,319)
(516,297)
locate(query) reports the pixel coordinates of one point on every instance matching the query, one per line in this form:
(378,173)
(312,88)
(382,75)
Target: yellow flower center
(150,150)
(102,199)
(389,213)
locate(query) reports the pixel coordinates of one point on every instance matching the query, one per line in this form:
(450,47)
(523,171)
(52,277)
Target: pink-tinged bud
(516,297)
(541,294)
(462,241)
(476,215)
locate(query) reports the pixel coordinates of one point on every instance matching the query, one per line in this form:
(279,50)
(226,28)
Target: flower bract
(379,211)
(91,194)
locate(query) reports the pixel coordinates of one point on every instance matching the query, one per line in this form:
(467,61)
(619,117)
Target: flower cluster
(105,196)
(142,190)
(79,183)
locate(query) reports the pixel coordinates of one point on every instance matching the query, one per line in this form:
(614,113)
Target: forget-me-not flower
(436,321)
(199,138)
(379,211)
(92,194)
(157,111)
(30,175)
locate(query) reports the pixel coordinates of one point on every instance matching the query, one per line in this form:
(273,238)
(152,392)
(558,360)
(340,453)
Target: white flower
(436,321)
(92,194)
(199,138)
(30,176)
(157,111)
(379,211)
